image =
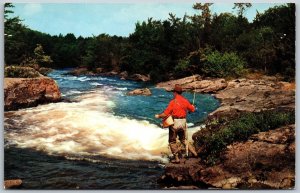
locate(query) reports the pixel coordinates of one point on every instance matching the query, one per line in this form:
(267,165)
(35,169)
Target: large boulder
(143,91)
(28,92)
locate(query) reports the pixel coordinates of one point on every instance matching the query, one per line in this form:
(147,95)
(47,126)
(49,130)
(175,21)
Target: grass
(213,142)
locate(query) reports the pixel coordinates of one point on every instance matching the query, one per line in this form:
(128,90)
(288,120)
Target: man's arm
(167,112)
(190,107)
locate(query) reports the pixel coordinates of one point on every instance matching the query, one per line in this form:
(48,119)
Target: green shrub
(44,71)
(20,72)
(223,65)
(240,129)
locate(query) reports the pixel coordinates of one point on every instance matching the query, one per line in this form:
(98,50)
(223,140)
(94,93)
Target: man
(178,108)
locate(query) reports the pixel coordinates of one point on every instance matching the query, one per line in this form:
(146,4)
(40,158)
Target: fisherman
(178,108)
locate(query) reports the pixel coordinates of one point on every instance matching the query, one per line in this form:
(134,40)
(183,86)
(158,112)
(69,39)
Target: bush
(20,72)
(223,65)
(44,71)
(240,129)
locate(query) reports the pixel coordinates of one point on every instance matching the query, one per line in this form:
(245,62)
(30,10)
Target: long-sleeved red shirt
(178,107)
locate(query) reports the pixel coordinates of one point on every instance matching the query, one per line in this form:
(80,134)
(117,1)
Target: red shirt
(178,107)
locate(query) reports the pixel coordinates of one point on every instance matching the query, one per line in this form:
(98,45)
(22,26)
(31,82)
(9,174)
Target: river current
(102,139)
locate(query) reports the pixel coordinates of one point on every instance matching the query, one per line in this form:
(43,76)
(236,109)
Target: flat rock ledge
(29,92)
(196,84)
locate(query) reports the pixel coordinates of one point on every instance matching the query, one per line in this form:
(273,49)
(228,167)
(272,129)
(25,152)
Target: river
(103,139)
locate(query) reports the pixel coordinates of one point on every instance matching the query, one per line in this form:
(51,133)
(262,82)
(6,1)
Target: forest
(212,45)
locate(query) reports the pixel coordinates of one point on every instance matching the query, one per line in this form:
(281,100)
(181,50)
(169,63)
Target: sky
(88,19)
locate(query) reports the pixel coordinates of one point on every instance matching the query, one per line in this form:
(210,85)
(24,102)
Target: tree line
(213,45)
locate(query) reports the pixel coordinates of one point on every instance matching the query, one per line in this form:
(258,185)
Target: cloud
(32,9)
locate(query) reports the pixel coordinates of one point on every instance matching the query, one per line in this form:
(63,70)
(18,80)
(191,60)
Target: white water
(87,128)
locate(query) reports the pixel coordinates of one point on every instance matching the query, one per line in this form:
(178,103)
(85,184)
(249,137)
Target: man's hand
(157,116)
(196,109)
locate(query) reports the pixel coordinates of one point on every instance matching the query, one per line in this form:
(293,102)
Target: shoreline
(236,97)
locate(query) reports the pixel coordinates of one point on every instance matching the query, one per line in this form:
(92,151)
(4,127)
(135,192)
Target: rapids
(100,123)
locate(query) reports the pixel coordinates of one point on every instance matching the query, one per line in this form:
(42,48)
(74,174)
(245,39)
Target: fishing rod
(186,132)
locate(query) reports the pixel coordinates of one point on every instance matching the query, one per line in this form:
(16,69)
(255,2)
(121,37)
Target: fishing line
(194,91)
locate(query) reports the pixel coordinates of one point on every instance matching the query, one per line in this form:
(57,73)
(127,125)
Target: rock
(79,71)
(111,73)
(123,75)
(256,163)
(245,95)
(12,183)
(28,92)
(196,84)
(98,70)
(139,77)
(169,85)
(207,86)
(278,136)
(143,91)
(182,188)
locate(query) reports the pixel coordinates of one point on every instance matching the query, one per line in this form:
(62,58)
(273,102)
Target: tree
(13,41)
(241,8)
(41,57)
(202,22)
(281,20)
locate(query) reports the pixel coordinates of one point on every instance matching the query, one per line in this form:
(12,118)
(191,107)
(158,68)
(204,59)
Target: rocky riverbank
(29,92)
(265,160)
(101,72)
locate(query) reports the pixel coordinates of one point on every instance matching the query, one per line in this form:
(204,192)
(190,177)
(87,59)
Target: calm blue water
(71,145)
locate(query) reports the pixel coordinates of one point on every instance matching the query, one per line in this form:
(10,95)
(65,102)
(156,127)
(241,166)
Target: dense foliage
(20,72)
(212,141)
(223,45)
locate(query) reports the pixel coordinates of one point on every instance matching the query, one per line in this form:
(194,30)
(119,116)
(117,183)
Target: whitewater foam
(87,128)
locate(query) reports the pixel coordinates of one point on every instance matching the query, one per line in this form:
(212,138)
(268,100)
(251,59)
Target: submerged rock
(28,92)
(143,91)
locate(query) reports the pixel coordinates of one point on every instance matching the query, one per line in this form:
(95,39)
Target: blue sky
(114,19)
